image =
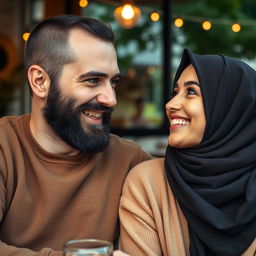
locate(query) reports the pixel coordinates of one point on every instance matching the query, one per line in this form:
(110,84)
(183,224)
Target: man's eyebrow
(188,83)
(95,74)
(90,74)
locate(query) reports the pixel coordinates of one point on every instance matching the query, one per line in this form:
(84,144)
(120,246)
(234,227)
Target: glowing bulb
(127,15)
(178,22)
(83,3)
(25,36)
(207,25)
(127,12)
(155,16)
(236,27)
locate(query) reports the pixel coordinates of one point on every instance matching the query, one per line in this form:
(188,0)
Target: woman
(201,199)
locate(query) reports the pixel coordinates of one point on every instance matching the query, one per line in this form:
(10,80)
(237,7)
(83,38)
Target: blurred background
(150,38)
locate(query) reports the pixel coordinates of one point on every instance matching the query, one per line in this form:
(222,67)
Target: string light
(206,25)
(236,27)
(178,22)
(128,15)
(25,36)
(83,3)
(154,16)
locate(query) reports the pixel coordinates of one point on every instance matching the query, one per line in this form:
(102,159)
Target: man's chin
(94,144)
(93,129)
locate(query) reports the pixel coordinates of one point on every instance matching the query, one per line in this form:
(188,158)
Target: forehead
(189,73)
(92,52)
(82,41)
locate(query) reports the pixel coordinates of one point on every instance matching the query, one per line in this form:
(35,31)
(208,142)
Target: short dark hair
(48,46)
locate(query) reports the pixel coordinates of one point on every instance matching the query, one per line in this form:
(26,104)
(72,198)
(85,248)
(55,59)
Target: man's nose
(107,96)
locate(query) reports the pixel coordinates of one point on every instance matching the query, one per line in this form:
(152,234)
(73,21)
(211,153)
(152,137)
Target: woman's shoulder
(147,174)
(149,167)
(147,185)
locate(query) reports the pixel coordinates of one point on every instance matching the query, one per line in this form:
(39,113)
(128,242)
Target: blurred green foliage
(220,39)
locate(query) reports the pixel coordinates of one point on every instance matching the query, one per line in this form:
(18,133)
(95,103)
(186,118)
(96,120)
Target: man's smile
(93,114)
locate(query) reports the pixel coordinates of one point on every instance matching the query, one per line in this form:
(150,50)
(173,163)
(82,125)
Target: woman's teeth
(179,122)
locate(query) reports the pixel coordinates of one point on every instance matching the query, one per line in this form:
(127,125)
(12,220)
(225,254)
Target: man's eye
(114,82)
(92,80)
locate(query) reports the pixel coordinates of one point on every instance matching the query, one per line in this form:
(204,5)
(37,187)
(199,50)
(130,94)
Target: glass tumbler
(88,247)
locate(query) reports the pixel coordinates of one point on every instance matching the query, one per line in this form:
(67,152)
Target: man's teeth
(93,114)
(179,122)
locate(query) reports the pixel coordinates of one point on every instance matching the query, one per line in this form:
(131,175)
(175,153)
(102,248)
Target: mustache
(95,106)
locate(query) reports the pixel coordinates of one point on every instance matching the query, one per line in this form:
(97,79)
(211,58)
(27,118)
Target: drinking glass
(88,247)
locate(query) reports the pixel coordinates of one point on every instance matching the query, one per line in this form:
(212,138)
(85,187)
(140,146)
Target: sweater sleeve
(138,234)
(10,250)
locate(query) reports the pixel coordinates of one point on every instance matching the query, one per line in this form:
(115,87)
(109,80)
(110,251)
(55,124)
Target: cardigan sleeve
(138,234)
(152,223)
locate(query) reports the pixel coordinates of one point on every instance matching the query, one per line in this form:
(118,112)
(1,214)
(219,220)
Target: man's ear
(39,81)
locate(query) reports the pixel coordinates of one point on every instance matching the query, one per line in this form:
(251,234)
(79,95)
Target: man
(61,170)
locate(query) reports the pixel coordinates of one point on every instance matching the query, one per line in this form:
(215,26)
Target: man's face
(79,106)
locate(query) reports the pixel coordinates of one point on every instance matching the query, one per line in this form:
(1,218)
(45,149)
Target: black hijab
(215,181)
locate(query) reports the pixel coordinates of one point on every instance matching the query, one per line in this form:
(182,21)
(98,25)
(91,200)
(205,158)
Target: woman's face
(185,111)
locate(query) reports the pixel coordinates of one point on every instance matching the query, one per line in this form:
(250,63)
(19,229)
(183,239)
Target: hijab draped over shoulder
(215,181)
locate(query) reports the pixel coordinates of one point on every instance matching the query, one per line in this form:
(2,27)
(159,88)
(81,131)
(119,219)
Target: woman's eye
(191,91)
(174,92)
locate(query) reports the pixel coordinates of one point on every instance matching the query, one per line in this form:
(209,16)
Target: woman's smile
(178,122)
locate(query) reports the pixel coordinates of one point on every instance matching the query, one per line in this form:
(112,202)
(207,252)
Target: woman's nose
(174,103)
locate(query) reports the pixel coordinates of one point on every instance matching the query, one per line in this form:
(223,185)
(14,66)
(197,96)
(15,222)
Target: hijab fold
(215,181)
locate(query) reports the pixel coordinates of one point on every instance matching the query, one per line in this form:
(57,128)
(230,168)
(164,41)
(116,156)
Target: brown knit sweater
(47,199)
(152,223)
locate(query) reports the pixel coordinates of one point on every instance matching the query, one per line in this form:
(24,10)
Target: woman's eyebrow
(188,83)
(192,82)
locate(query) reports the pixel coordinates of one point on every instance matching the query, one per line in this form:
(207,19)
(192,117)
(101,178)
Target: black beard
(64,119)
